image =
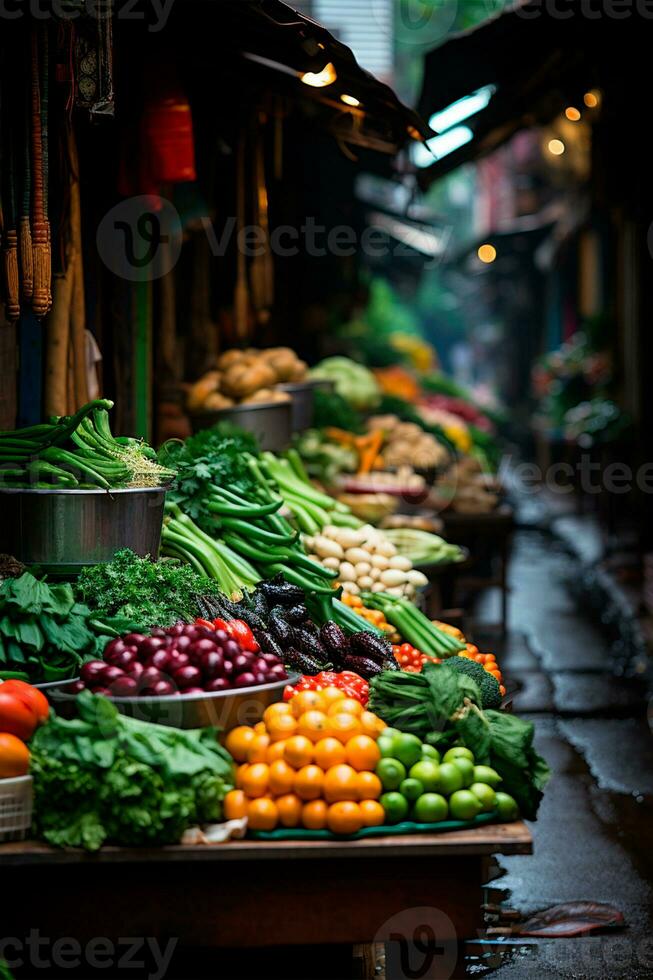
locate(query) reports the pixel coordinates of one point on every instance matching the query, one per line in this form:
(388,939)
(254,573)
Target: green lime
(451,779)
(483,774)
(391,732)
(395,806)
(430,808)
(458,752)
(385,745)
(465,768)
(463,805)
(430,752)
(427,772)
(407,748)
(506,807)
(391,773)
(411,789)
(485,796)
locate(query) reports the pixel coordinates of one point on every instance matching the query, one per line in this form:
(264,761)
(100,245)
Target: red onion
(93,672)
(175,630)
(178,660)
(197,649)
(160,659)
(245,680)
(218,684)
(188,676)
(243,662)
(150,645)
(135,669)
(134,639)
(124,687)
(114,647)
(150,676)
(228,668)
(162,688)
(124,660)
(277,673)
(221,637)
(232,649)
(212,664)
(193,690)
(183,642)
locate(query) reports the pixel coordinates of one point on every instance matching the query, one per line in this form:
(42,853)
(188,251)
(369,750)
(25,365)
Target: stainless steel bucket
(270,422)
(63,530)
(303,403)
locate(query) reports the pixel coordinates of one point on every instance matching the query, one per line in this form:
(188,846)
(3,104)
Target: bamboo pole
(40,227)
(78,304)
(57,339)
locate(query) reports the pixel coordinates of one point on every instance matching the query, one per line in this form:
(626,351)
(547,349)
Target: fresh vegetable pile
(373,616)
(79,451)
(309,764)
(181,660)
(363,558)
(442,706)
(45,635)
(414,626)
(105,778)
(353,382)
(149,593)
(22,709)
(246,377)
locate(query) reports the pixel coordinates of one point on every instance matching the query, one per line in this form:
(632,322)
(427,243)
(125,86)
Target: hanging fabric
(41,293)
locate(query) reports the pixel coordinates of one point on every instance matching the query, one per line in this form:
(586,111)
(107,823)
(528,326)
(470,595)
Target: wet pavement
(594,832)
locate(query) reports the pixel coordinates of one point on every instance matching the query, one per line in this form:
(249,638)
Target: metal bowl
(48,687)
(224,710)
(270,422)
(303,402)
(64,530)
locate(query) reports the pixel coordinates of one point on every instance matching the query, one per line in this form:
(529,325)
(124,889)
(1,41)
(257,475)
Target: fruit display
(182,659)
(421,786)
(245,377)
(406,444)
(77,452)
(363,558)
(310,763)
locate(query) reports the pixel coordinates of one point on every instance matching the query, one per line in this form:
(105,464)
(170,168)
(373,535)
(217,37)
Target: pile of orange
(310,763)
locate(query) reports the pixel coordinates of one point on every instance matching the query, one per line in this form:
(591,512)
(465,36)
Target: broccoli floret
(489,686)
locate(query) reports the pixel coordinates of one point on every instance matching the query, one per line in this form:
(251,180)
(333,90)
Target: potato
(241,381)
(201,390)
(229,358)
(217,402)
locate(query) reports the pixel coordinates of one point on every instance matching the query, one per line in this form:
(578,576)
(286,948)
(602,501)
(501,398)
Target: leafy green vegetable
(150,593)
(442,707)
(103,777)
(331,409)
(44,633)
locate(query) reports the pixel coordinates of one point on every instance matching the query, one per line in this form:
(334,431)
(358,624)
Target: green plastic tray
(408,827)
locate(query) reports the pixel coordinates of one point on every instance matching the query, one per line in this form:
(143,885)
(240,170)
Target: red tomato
(30,696)
(17,718)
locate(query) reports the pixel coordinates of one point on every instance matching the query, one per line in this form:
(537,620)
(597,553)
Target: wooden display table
(249,893)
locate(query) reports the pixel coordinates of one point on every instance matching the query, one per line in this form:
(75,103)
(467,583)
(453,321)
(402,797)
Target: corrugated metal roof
(366,26)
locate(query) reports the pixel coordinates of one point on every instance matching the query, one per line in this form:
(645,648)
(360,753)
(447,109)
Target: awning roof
(537,61)
(284,43)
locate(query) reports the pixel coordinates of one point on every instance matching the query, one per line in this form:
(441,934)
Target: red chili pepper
(239,631)
(221,624)
(205,623)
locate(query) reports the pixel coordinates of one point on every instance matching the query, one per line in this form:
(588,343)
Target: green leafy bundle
(214,457)
(150,593)
(105,778)
(443,707)
(44,634)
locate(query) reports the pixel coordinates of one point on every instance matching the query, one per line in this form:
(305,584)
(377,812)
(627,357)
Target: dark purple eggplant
(360,665)
(267,643)
(369,645)
(260,605)
(296,660)
(282,593)
(308,643)
(297,615)
(334,639)
(280,629)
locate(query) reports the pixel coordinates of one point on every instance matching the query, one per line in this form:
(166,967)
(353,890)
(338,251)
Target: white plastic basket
(16,797)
